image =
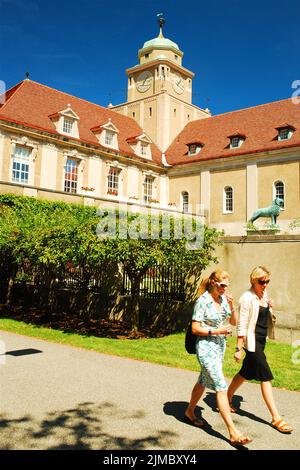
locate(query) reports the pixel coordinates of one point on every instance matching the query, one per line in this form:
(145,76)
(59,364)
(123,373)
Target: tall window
(68,126)
(109,137)
(228,199)
(279,190)
(185,202)
(148,189)
(20,168)
(113,182)
(144,149)
(71,176)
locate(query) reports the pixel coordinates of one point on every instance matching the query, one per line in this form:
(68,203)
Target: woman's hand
(238,355)
(224,330)
(229,298)
(270,303)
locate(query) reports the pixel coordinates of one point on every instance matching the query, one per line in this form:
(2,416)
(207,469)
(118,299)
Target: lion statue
(272,211)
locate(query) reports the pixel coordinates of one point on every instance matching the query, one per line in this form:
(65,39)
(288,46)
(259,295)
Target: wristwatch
(237,349)
(209,333)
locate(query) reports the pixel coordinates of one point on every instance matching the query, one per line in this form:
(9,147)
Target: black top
(261,328)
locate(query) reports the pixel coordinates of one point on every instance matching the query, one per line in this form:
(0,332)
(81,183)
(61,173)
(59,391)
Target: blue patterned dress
(211,349)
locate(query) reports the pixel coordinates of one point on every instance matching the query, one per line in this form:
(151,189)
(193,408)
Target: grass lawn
(168,351)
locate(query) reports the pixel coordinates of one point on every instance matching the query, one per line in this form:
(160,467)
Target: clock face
(178,83)
(144,81)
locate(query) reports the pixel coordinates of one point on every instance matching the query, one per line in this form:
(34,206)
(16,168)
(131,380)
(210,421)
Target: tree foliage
(51,234)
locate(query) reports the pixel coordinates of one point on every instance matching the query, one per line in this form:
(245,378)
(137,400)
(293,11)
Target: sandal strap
(281,424)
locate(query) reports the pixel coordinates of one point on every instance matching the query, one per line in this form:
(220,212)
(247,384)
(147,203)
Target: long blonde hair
(206,283)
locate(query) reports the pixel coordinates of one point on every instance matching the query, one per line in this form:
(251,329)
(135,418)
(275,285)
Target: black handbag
(190,340)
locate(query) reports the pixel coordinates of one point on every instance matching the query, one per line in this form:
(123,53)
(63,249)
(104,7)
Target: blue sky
(243,52)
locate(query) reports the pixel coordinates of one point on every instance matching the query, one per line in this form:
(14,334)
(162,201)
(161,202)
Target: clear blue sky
(243,52)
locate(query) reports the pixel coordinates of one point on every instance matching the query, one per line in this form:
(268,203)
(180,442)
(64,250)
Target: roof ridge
(17,87)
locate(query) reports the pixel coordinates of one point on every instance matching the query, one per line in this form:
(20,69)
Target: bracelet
(238,349)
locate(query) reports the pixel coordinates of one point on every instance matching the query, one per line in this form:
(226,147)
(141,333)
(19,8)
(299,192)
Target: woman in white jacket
(255,323)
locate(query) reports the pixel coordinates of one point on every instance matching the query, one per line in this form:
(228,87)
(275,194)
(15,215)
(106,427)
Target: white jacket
(247,318)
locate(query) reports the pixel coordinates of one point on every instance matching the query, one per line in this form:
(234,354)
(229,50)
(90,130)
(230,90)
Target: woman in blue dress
(211,310)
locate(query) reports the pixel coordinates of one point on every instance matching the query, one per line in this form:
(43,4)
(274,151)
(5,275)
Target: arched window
(278,190)
(185,202)
(228,199)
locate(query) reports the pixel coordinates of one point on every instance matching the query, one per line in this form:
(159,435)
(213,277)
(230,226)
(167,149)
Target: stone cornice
(236,162)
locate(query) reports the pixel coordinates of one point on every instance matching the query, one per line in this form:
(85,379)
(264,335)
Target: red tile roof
(33,104)
(258,124)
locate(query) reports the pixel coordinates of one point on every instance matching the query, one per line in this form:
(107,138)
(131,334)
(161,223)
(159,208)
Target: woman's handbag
(190,340)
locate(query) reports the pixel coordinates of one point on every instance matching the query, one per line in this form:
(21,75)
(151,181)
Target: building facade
(157,150)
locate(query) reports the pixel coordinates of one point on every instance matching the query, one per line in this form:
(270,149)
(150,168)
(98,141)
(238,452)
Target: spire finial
(27,75)
(161,21)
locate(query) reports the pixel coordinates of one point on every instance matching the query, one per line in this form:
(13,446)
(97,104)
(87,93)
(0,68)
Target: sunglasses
(221,284)
(262,282)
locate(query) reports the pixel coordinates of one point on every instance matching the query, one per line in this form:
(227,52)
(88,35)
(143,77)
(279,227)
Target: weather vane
(161,21)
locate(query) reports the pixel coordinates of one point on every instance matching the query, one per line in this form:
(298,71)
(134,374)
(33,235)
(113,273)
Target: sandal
(198,423)
(241,441)
(282,426)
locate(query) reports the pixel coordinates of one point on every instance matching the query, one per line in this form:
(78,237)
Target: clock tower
(159,94)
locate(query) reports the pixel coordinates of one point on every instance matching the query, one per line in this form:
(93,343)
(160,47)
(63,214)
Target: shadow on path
(177,409)
(22,352)
(210,400)
(86,426)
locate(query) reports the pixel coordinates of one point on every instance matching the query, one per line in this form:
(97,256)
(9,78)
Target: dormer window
(107,134)
(236,141)
(194,148)
(66,122)
(285,133)
(141,145)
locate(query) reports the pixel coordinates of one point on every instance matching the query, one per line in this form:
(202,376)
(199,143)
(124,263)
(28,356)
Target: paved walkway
(60,397)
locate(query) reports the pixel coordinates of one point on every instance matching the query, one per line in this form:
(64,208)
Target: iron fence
(159,282)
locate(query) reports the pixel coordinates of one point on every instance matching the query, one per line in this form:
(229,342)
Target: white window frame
(285,131)
(184,202)
(109,138)
(68,124)
(23,162)
(197,147)
(70,188)
(113,181)
(148,187)
(226,201)
(236,139)
(275,192)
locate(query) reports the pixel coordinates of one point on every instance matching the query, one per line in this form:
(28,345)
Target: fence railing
(160,282)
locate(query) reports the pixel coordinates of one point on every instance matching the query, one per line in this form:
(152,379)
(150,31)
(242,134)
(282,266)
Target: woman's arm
(197,329)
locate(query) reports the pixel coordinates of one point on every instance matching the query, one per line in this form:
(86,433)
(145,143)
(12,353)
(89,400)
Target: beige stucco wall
(219,180)
(281,255)
(289,174)
(189,183)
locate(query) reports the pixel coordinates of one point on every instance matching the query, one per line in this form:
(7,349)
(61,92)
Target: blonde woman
(213,308)
(254,325)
